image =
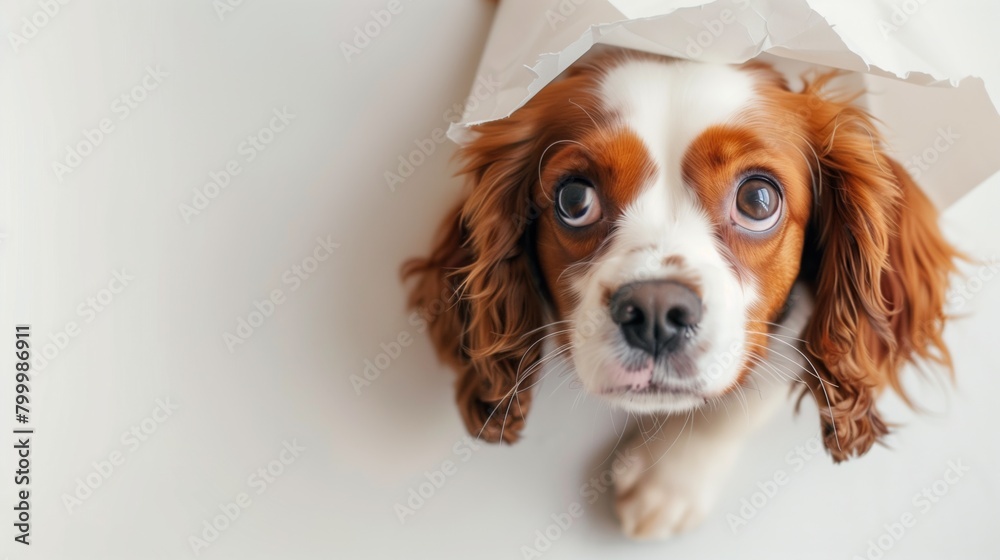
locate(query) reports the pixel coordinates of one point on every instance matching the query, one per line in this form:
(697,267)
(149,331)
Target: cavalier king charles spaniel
(685,233)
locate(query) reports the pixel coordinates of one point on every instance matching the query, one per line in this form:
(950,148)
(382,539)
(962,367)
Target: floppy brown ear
(480,263)
(880,280)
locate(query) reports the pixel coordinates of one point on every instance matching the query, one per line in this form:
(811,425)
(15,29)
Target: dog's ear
(883,268)
(480,265)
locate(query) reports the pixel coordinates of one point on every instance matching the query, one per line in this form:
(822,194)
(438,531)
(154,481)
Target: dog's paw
(660,495)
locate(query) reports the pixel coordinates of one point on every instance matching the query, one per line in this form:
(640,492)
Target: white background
(323,176)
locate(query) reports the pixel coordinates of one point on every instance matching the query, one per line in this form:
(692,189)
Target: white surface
(162,336)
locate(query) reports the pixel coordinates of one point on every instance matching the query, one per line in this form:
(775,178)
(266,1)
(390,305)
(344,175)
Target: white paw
(661,493)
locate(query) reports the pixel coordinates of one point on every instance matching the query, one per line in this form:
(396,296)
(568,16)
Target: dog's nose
(656,316)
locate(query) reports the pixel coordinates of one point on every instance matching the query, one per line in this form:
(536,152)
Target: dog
(684,233)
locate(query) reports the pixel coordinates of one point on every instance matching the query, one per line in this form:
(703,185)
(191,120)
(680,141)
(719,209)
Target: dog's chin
(658,402)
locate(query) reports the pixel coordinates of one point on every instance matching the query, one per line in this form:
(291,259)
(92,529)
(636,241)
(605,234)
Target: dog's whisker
(510,400)
(620,436)
(541,339)
(545,326)
(519,378)
(790,375)
(689,417)
(784,336)
(822,384)
(551,355)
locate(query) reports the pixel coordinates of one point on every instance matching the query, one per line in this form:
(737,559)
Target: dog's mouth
(653,378)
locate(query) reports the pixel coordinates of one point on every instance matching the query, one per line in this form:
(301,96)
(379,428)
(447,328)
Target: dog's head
(651,216)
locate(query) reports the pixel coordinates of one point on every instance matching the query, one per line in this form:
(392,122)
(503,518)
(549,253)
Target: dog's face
(654,215)
(675,231)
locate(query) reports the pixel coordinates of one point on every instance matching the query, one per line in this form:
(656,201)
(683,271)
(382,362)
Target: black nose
(656,316)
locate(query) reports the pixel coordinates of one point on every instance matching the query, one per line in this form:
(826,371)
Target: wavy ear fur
(480,264)
(880,280)
(484,259)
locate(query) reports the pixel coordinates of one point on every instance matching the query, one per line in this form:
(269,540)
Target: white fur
(667,481)
(667,106)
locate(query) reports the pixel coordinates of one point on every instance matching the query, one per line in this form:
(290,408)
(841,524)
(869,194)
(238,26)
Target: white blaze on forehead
(669,104)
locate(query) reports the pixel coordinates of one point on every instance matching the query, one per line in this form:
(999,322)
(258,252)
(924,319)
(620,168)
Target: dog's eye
(577,204)
(757,205)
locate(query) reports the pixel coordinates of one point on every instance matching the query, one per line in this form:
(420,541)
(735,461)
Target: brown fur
(481,256)
(876,258)
(881,279)
(711,162)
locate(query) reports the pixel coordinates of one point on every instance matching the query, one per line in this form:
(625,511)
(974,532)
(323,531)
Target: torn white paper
(897,49)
